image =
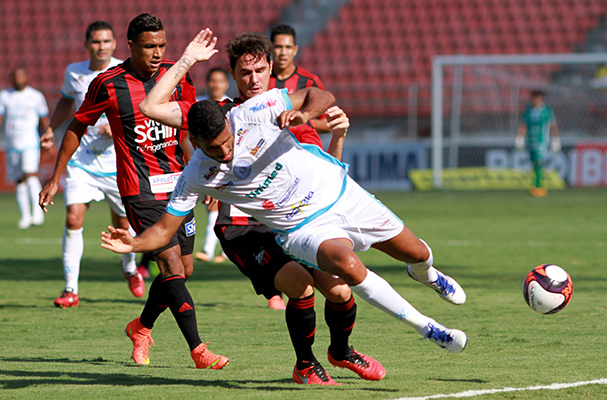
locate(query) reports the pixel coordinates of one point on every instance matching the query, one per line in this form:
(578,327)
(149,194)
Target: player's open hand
(105,130)
(291,118)
(118,240)
(202,47)
(337,120)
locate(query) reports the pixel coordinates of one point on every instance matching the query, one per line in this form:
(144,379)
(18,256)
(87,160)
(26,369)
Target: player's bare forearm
(61,113)
(69,144)
(338,122)
(311,102)
(156,105)
(153,238)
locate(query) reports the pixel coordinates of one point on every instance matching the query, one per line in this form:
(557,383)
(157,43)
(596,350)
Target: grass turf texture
(488,241)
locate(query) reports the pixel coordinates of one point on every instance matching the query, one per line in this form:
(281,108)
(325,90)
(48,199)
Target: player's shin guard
(377,291)
(73,247)
(301,322)
(182,306)
(340,318)
(156,304)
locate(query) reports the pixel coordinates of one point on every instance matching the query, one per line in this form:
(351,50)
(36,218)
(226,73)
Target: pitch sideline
(474,393)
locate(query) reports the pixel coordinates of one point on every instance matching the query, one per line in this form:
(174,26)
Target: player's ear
(295,50)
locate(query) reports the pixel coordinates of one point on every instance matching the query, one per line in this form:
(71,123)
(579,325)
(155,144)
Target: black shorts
(146,213)
(254,250)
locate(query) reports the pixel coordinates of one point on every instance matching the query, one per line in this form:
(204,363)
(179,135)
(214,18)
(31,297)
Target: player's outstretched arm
(338,122)
(156,105)
(69,144)
(155,237)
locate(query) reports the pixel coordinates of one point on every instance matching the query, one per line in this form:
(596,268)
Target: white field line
(474,393)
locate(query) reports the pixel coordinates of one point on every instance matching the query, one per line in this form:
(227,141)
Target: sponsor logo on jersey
(268,205)
(211,173)
(263,105)
(299,207)
(258,147)
(153,131)
(225,185)
(288,194)
(254,193)
(240,135)
(190,227)
(242,169)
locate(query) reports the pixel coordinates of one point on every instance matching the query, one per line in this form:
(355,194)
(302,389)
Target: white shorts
(19,163)
(82,188)
(358,216)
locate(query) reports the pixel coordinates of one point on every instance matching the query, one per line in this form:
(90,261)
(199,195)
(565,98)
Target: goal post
(467,89)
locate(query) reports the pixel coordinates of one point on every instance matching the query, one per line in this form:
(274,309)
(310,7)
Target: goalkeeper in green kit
(538,127)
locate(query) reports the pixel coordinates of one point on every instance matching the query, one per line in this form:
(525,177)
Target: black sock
(301,322)
(340,318)
(182,306)
(155,305)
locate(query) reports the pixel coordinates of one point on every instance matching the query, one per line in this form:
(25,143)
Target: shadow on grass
(100,271)
(19,379)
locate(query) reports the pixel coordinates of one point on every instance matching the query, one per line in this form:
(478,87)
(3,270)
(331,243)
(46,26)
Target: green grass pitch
(488,241)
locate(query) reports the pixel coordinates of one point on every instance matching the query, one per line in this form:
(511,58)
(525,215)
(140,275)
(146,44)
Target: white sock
(129,261)
(73,247)
(377,291)
(424,270)
(33,184)
(23,201)
(129,265)
(210,239)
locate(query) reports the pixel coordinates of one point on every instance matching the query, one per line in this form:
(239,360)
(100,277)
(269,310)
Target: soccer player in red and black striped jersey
(285,74)
(149,157)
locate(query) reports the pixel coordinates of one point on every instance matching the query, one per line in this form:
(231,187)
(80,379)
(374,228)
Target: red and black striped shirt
(300,79)
(144,148)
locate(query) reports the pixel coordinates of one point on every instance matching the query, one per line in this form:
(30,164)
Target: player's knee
(339,293)
(74,220)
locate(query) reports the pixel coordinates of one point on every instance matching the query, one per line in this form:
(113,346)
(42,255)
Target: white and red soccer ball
(547,289)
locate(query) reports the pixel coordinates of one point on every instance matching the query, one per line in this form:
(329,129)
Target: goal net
(477,103)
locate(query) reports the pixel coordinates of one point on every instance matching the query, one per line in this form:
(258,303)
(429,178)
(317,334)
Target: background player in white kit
(91,173)
(23,109)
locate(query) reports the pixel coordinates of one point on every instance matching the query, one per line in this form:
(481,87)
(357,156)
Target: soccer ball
(547,289)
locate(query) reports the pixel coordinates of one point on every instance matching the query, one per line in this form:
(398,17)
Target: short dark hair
(216,69)
(253,43)
(537,93)
(98,26)
(206,119)
(283,30)
(143,23)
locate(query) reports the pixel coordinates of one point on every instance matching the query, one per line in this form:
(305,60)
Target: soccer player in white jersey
(91,173)
(24,111)
(322,215)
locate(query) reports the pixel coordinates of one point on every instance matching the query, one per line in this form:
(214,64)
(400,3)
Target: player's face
(220,149)
(101,46)
(217,85)
(19,78)
(252,76)
(147,53)
(284,51)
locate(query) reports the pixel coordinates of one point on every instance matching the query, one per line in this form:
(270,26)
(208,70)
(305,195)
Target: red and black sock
(301,322)
(182,306)
(155,305)
(340,318)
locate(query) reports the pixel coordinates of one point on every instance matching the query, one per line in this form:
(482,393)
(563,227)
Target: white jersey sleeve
(187,192)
